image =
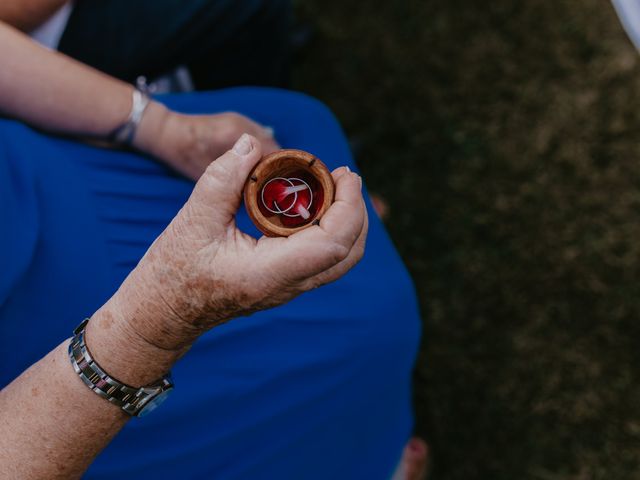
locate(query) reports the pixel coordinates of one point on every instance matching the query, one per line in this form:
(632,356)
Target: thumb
(218,193)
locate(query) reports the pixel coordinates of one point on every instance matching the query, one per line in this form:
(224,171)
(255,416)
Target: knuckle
(314,284)
(236,121)
(337,252)
(216,178)
(229,131)
(230,127)
(359,253)
(311,284)
(219,171)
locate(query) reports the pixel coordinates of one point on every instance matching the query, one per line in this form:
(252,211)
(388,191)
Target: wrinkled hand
(203,271)
(189,143)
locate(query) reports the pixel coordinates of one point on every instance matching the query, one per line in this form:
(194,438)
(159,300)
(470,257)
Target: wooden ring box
(278,213)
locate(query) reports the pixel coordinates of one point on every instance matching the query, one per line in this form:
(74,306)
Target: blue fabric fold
(19,220)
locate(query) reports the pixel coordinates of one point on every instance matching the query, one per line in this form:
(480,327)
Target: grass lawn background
(505,136)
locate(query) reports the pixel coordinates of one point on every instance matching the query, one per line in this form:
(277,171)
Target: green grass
(506,137)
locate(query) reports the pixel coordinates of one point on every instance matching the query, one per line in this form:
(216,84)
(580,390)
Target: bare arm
(28,14)
(58,94)
(53,426)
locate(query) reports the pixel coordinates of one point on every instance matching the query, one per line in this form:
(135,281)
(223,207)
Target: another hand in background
(189,143)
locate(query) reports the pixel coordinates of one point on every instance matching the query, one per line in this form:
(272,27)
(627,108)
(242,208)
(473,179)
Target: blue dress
(315,389)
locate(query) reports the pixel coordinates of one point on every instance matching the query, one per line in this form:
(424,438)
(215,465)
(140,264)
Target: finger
(269,145)
(269,131)
(339,172)
(339,270)
(344,219)
(266,135)
(218,193)
(267,139)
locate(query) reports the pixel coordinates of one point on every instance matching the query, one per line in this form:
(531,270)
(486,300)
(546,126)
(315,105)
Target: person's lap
(317,387)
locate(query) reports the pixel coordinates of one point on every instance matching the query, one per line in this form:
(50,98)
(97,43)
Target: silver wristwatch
(135,401)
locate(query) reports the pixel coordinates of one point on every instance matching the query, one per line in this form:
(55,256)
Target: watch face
(154,403)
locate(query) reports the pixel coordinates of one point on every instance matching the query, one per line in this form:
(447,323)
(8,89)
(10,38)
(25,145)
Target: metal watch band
(124,134)
(131,399)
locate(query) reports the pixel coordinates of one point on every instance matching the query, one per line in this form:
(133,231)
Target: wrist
(151,131)
(166,135)
(132,343)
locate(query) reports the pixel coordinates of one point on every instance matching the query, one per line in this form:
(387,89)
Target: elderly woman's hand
(203,271)
(188,143)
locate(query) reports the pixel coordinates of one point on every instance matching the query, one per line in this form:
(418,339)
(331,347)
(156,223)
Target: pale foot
(380,206)
(413,465)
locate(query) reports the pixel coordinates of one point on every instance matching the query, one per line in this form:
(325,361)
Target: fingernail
(269,132)
(347,169)
(243,146)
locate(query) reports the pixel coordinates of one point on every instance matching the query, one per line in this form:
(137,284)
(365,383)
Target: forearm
(53,426)
(28,14)
(56,93)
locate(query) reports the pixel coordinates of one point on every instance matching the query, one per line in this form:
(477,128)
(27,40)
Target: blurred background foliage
(505,136)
